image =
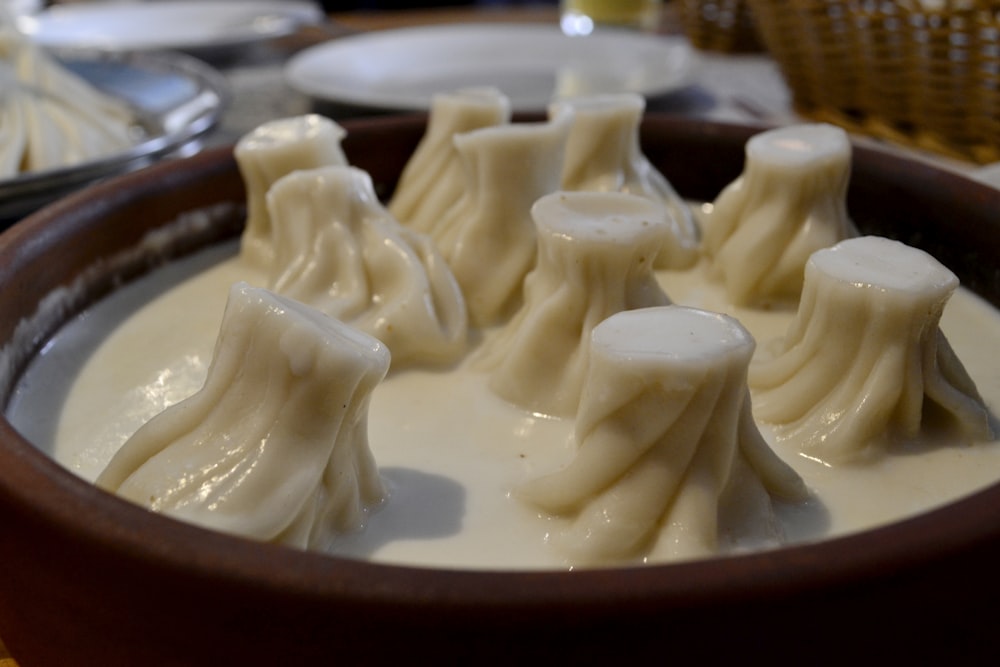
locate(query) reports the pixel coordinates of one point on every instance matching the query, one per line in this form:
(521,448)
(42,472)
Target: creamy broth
(450,450)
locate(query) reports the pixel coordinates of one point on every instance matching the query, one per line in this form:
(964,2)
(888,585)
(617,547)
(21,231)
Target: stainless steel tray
(177,99)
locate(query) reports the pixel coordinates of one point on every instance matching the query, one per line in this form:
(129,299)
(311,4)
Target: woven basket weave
(923,72)
(719,25)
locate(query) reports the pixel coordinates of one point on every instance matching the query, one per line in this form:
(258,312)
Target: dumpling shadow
(420,506)
(806,521)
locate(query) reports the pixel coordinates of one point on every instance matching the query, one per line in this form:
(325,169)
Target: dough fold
(603,154)
(269,152)
(669,462)
(864,362)
(789,202)
(338,249)
(488,235)
(433,178)
(595,258)
(274,446)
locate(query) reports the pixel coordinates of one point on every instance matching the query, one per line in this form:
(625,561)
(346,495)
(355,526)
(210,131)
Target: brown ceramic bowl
(86,578)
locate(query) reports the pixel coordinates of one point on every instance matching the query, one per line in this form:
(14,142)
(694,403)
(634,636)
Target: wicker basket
(923,72)
(719,25)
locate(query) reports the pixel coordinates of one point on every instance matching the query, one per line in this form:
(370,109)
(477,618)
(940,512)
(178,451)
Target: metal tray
(177,99)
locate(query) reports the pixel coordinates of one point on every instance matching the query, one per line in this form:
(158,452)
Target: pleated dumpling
(433,179)
(337,248)
(273,150)
(595,258)
(603,154)
(274,446)
(864,362)
(790,201)
(669,462)
(488,235)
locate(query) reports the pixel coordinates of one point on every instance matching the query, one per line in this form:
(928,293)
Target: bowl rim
(43,488)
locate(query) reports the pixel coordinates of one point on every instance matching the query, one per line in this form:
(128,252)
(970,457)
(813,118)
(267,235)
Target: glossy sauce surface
(451,452)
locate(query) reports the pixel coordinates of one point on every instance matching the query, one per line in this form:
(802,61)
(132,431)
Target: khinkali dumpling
(669,462)
(433,179)
(337,248)
(275,444)
(789,202)
(864,362)
(595,258)
(273,150)
(603,154)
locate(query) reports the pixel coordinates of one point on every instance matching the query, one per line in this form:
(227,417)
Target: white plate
(177,24)
(402,69)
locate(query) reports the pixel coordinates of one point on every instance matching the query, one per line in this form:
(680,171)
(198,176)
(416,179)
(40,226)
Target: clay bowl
(89,579)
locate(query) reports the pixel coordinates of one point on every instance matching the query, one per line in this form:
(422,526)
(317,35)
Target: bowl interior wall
(85,574)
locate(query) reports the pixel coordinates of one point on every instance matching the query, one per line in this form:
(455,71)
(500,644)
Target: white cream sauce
(450,451)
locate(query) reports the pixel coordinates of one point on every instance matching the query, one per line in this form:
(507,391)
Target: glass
(582,17)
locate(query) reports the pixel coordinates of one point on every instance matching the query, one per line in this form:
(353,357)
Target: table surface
(736,88)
